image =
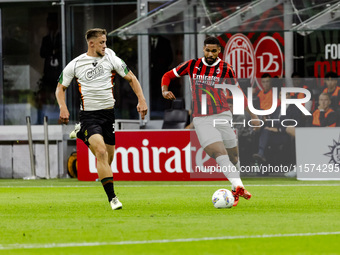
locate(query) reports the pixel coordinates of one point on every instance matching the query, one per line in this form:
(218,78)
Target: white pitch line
(183,240)
(182,185)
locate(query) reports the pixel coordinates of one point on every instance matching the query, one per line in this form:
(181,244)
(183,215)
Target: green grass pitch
(66,216)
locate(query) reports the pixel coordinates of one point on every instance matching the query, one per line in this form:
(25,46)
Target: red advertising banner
(152,156)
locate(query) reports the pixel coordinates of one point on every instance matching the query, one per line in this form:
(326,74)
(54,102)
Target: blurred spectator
(324,116)
(331,80)
(265,96)
(298,82)
(275,133)
(277,82)
(50,50)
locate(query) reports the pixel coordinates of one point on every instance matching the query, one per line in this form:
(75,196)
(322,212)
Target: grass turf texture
(76,217)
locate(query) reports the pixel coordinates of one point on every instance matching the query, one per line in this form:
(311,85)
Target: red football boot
(242,192)
(236,198)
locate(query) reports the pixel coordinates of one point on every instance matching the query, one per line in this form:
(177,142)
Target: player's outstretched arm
(166,79)
(60,95)
(142,107)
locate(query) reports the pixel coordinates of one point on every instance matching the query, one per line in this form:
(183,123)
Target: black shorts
(97,122)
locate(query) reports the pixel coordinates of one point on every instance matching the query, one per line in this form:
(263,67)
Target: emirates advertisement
(152,156)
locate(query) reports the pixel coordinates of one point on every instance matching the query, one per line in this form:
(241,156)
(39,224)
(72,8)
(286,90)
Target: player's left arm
(142,107)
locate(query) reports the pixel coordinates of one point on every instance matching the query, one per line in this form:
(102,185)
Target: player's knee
(101,153)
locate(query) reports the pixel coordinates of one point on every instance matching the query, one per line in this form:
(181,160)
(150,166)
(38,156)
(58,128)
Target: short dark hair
(94,33)
(331,75)
(266,75)
(212,40)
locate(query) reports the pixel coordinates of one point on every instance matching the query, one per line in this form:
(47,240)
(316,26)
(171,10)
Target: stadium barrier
(153,155)
(15,154)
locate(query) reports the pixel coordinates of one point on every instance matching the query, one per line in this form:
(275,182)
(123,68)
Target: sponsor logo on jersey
(205,80)
(94,73)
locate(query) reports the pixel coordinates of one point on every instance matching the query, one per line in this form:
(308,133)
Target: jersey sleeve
(67,74)
(118,65)
(178,71)
(182,69)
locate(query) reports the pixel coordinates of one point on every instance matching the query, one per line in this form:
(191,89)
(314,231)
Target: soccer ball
(223,198)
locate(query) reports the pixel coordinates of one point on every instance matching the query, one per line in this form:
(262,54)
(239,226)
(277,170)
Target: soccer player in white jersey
(94,72)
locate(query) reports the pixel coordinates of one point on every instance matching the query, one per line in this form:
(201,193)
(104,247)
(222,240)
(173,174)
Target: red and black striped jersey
(203,79)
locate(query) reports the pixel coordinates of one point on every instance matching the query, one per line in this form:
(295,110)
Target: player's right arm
(166,79)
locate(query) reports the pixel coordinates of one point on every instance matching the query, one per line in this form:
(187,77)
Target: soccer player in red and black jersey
(218,141)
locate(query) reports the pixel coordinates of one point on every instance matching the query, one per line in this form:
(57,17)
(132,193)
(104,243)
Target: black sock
(108,187)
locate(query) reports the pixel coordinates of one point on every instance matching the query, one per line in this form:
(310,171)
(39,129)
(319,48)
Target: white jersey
(94,76)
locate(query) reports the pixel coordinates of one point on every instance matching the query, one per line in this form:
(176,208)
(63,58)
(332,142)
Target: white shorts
(215,128)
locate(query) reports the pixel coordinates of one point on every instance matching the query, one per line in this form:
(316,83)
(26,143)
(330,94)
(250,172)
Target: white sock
(232,175)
